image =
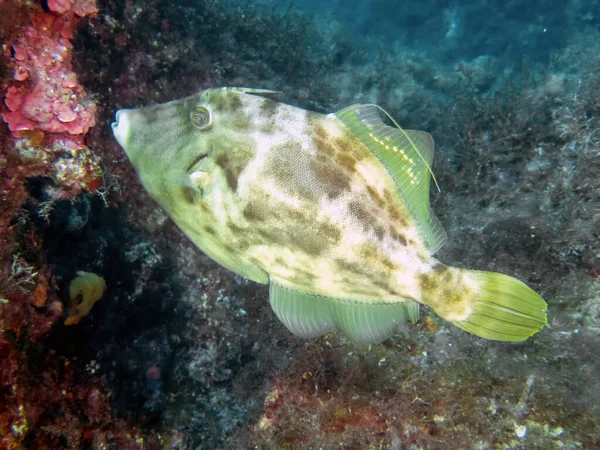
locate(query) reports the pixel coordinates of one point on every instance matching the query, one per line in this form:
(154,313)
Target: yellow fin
(505,310)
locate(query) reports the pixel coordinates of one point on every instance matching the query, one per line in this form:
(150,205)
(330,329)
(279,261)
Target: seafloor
(182,354)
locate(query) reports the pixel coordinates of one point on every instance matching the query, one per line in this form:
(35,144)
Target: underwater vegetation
(180,353)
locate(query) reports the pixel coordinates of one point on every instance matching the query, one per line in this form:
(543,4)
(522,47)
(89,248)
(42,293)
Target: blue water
(452,31)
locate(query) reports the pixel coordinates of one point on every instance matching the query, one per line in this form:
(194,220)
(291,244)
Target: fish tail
(503,308)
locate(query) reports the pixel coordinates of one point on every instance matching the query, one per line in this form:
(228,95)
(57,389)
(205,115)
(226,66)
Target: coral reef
(45,399)
(52,100)
(47,110)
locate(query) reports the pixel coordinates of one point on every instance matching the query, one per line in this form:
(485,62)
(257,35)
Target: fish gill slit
(195,162)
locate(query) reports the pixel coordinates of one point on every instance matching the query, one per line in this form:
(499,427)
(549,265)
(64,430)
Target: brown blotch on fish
(396,236)
(369,252)
(348,162)
(451,297)
(392,208)
(230,101)
(268,127)
(375,266)
(440,268)
(423,259)
(299,215)
(189,194)
(268,108)
(237,230)
(281,262)
(291,178)
(302,276)
(348,267)
(387,263)
(334,182)
(218,101)
(443,276)
(394,214)
(236,103)
(210,230)
(228,248)
(317,239)
(330,231)
(233,167)
(242,244)
(350,145)
(398,216)
(241,123)
(364,217)
(379,232)
(322,158)
(255,212)
(379,265)
(319,131)
(427,283)
(302,241)
(231,176)
(389,197)
(325,146)
(381,284)
(311,236)
(375,196)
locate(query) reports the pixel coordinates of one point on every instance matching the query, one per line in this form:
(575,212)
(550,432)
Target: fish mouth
(115,124)
(120,127)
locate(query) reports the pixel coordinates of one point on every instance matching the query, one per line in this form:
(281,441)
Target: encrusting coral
(47,111)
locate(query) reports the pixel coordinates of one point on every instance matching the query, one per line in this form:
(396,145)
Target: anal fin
(309,315)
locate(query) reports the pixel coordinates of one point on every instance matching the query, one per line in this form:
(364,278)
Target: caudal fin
(506,309)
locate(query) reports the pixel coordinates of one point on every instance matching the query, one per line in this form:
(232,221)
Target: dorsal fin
(407,154)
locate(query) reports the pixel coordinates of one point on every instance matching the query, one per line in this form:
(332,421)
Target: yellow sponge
(84,291)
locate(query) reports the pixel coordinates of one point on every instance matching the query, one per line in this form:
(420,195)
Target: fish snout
(121,126)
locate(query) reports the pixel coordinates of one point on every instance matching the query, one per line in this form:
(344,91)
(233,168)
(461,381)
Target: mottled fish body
(331,210)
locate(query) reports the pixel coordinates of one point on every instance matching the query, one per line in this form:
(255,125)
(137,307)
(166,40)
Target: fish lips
(121,126)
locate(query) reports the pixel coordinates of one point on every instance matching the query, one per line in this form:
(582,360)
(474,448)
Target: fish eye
(200,117)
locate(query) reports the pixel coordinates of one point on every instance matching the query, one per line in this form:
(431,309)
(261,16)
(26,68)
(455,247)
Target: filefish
(331,211)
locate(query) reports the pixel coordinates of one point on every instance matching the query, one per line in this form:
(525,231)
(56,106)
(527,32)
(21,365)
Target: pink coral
(78,7)
(52,100)
(47,111)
